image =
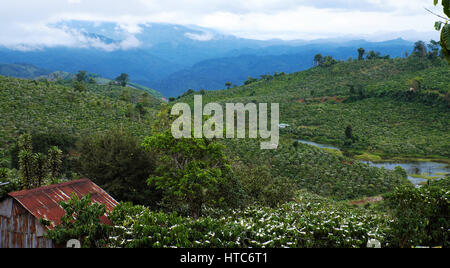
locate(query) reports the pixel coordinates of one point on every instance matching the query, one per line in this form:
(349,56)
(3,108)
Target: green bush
(81,221)
(421,216)
(262,188)
(116,162)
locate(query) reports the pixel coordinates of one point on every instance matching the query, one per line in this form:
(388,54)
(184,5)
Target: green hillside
(153,92)
(322,172)
(65,78)
(31,106)
(375,97)
(22,70)
(230,193)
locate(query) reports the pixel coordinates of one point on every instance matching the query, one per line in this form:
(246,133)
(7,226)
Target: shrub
(421,216)
(81,221)
(117,163)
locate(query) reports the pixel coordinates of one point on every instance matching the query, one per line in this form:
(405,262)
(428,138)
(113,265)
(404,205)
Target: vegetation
(58,115)
(123,79)
(374,96)
(361,52)
(317,170)
(9,182)
(191,172)
(115,161)
(229,193)
(40,107)
(309,222)
(43,143)
(421,216)
(81,76)
(35,168)
(444,27)
(81,221)
(21,70)
(324,61)
(262,188)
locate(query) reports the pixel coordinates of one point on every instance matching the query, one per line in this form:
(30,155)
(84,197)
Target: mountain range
(174,58)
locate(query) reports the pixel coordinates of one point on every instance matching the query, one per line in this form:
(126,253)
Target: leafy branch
(444,27)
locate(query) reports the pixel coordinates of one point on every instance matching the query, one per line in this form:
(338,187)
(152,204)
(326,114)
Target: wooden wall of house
(19,228)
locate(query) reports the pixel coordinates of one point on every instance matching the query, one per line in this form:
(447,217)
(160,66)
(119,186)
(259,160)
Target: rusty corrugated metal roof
(43,202)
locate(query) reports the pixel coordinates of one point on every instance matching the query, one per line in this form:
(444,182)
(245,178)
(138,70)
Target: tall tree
(123,79)
(420,49)
(35,168)
(54,162)
(26,161)
(433,48)
(192,172)
(318,59)
(26,169)
(361,52)
(40,169)
(116,161)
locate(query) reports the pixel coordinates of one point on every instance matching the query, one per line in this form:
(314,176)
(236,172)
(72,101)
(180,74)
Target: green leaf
(446,4)
(445,37)
(445,41)
(438,25)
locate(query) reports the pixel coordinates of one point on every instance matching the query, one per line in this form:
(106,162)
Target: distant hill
(173,58)
(29,71)
(390,113)
(214,73)
(22,70)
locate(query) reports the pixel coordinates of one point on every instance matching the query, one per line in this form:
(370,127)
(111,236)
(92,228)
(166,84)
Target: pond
(414,169)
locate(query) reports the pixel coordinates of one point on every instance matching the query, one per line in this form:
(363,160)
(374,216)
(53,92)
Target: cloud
(74,2)
(312,23)
(26,24)
(200,37)
(130,42)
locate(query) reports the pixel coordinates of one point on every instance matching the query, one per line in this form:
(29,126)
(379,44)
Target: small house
(20,212)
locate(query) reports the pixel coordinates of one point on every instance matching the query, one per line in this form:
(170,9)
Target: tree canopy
(189,171)
(123,79)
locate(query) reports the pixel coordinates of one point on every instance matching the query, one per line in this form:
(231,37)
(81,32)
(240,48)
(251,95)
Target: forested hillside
(46,107)
(396,107)
(22,70)
(229,193)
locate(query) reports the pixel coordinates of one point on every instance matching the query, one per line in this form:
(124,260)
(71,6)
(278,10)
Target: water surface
(432,169)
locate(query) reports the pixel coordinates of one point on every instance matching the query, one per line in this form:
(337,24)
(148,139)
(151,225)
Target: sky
(27,23)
